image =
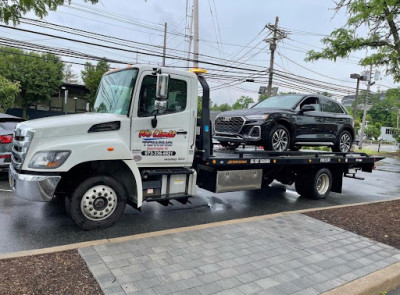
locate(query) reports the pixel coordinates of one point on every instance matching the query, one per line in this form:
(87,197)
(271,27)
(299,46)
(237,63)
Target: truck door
(171,141)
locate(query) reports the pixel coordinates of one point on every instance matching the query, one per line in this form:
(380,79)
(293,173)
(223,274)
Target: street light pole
(369,83)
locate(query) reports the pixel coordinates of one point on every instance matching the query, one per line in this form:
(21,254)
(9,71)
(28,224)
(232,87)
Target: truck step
(165,200)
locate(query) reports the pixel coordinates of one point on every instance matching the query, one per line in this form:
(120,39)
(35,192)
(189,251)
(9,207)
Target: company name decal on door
(158,134)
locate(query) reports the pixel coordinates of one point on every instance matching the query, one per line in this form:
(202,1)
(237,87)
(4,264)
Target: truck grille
(20,146)
(229,124)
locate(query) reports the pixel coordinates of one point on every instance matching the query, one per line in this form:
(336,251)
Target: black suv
(287,122)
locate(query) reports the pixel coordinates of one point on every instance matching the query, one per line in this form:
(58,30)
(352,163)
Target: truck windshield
(284,101)
(115,92)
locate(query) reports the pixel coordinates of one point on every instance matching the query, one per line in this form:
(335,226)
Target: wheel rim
(323,184)
(345,142)
(280,140)
(99,202)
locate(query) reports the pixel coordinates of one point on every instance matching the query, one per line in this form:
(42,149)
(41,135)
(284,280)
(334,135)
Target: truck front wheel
(97,202)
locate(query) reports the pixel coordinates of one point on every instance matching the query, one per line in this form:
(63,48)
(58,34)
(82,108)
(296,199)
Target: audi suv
(280,123)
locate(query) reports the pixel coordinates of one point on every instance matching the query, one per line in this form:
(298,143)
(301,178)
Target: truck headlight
(49,159)
(257,117)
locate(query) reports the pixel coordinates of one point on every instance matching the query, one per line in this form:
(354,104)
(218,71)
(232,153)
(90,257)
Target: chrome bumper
(39,188)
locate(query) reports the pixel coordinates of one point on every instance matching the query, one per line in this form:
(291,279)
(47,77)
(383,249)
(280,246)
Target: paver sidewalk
(292,254)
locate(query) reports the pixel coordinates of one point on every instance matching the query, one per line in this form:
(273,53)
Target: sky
(230,32)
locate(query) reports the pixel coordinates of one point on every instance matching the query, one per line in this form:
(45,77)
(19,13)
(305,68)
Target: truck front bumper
(39,188)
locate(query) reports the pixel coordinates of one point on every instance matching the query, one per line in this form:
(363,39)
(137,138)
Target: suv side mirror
(162,86)
(307,108)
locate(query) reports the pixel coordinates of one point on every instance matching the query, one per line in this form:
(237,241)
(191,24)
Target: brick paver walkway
(292,254)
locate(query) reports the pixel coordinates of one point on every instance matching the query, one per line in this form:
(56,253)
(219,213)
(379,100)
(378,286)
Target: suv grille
(229,124)
(21,142)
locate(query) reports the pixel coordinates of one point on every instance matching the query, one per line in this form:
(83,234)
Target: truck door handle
(181,132)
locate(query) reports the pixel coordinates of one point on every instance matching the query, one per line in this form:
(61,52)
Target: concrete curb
(171,231)
(386,279)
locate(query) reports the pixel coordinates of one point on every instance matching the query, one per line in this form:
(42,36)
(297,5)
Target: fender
(136,173)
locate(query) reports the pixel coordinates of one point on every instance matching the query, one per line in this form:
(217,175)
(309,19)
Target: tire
(315,185)
(230,145)
(103,192)
(278,139)
(343,143)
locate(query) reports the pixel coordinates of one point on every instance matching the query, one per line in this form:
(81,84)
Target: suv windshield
(115,92)
(286,102)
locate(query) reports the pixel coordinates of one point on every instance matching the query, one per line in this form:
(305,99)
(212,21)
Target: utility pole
(272,47)
(369,83)
(190,39)
(165,44)
(196,33)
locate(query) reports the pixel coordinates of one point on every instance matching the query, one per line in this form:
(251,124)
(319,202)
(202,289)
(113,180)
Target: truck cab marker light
(309,161)
(110,149)
(274,161)
(214,161)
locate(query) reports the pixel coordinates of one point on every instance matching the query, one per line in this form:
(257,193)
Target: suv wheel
(343,142)
(278,139)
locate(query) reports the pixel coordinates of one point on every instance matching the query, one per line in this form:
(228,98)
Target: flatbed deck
(251,158)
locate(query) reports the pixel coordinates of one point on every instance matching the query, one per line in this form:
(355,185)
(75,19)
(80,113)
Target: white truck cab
(140,144)
(124,133)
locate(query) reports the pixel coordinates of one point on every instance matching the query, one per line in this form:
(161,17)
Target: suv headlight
(49,159)
(257,117)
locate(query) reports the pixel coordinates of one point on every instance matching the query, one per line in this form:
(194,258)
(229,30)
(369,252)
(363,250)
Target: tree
(224,107)
(91,76)
(373,131)
(8,92)
(14,9)
(242,103)
(69,76)
(39,76)
(380,20)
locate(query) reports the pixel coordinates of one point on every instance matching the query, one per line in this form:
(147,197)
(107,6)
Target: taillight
(5,156)
(6,139)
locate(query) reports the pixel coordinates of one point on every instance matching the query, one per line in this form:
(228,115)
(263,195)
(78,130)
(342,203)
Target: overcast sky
(235,24)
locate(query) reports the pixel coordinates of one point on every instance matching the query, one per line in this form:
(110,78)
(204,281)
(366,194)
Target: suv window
(313,101)
(330,106)
(177,96)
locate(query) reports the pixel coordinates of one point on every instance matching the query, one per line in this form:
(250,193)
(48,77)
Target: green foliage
(8,92)
(262,97)
(242,103)
(379,19)
(357,125)
(69,76)
(12,10)
(373,131)
(39,76)
(224,107)
(91,76)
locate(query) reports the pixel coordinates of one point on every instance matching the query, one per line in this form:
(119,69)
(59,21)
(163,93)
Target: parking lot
(29,225)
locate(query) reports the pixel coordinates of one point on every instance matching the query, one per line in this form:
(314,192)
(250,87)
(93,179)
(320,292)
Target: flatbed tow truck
(141,144)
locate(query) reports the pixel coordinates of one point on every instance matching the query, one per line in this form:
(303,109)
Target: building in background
(75,103)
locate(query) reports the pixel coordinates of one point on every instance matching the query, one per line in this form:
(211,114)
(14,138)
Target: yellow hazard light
(309,161)
(198,71)
(214,162)
(274,161)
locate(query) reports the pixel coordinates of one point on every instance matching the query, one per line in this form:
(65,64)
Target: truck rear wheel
(98,202)
(316,185)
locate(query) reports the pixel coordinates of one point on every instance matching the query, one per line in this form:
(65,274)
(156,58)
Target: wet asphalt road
(28,225)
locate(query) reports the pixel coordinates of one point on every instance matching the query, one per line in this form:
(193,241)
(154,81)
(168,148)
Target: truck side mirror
(162,86)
